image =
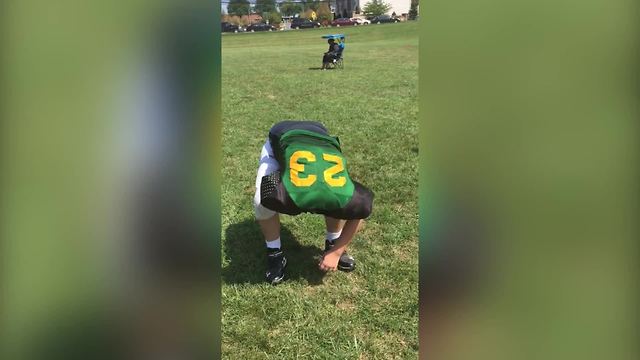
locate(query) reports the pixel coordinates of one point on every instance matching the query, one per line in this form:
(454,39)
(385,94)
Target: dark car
(343,22)
(229,27)
(260,27)
(384,19)
(299,23)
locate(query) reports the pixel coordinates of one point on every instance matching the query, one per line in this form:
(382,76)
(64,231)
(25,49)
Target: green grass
(371,105)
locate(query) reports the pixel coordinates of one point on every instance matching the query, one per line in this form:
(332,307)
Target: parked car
(300,23)
(343,22)
(260,27)
(361,21)
(384,19)
(229,27)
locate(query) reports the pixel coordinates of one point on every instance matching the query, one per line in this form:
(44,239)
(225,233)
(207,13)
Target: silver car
(361,21)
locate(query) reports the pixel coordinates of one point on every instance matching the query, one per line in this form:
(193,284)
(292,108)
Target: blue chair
(338,61)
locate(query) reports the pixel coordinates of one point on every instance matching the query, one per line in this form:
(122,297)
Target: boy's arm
(330,259)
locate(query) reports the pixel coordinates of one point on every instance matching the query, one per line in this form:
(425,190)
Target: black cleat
(346,262)
(276,264)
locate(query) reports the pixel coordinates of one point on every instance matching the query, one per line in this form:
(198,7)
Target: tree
(413,10)
(306,14)
(290,8)
(265,6)
(238,7)
(324,13)
(274,18)
(375,8)
(313,5)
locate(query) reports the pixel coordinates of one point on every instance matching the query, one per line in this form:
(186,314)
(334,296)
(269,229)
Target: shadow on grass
(245,251)
(320,68)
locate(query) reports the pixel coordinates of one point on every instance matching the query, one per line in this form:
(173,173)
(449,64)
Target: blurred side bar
(529,173)
(110,153)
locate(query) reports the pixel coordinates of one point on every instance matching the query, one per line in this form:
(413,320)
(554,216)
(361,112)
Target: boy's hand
(329,261)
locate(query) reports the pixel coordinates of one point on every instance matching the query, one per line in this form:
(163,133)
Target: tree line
(269,10)
(286,8)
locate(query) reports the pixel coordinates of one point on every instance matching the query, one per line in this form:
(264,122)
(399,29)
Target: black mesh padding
(273,195)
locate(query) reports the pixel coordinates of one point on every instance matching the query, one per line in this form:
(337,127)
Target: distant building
(349,8)
(346,8)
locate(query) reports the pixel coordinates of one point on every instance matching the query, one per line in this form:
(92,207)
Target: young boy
(331,54)
(302,169)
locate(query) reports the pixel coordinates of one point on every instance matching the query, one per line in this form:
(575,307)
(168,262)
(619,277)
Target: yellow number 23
(297,168)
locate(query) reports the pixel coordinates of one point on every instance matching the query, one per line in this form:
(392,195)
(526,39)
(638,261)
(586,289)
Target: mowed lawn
(371,313)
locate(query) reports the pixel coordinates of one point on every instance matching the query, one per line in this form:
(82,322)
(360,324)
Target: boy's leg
(271,231)
(336,251)
(334,227)
(270,227)
(269,220)
(334,230)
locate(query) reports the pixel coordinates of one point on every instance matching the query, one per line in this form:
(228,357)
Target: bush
(375,8)
(274,18)
(235,20)
(313,5)
(244,20)
(324,13)
(307,14)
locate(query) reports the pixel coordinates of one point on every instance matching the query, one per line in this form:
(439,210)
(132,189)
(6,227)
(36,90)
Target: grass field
(371,105)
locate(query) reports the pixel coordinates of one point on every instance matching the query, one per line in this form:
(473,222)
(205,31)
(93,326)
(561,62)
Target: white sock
(273,244)
(332,236)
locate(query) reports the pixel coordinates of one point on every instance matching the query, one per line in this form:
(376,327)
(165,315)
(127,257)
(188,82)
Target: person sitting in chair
(331,54)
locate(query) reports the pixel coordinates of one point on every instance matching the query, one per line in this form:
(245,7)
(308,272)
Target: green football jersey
(314,171)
